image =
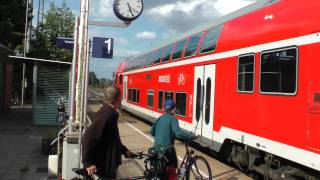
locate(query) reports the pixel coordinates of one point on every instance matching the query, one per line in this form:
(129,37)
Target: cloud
(146,35)
(101,9)
(181,16)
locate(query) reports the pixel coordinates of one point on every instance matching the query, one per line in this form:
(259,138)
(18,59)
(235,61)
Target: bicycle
(192,167)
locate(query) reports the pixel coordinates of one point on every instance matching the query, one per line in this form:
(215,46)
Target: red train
(248,82)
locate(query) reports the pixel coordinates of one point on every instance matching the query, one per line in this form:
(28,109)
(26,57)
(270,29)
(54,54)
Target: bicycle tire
(193,169)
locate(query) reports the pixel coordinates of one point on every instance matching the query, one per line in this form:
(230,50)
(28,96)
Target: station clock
(128,10)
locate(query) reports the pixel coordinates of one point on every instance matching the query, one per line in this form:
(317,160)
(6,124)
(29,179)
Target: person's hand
(91,169)
(129,154)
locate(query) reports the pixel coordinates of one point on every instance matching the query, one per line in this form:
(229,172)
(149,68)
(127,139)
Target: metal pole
(84,99)
(24,53)
(39,4)
(73,75)
(83,29)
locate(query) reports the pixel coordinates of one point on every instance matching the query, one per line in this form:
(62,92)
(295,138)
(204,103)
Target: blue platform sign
(102,47)
(64,43)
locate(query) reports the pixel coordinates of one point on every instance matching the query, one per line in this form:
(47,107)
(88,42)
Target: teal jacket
(166,129)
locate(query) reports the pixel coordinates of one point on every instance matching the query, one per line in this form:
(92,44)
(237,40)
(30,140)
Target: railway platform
(20,147)
(135,135)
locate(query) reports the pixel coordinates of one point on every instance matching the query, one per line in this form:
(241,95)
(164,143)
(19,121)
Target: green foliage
(58,22)
(95,82)
(12,22)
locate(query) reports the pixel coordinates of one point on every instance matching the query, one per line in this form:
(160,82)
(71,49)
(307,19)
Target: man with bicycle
(101,145)
(165,130)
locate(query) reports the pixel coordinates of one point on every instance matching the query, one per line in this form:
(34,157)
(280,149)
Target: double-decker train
(247,83)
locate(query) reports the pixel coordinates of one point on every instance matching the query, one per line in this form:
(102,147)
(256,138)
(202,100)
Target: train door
(125,82)
(203,104)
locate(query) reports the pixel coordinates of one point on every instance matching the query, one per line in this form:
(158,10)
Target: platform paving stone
(20,143)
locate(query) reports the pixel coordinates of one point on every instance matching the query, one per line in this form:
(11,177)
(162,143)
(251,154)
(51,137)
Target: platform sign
(102,48)
(64,43)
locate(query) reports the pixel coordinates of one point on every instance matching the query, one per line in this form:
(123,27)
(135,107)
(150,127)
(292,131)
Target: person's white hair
(112,94)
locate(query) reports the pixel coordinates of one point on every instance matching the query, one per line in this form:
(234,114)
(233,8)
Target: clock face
(127,10)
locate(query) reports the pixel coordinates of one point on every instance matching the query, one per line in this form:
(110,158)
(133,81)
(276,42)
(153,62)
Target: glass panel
(167,53)
(279,71)
(245,73)
(181,103)
(120,79)
(198,103)
(178,49)
(208,100)
(134,95)
(130,95)
(168,95)
(150,98)
(151,57)
(158,56)
(160,100)
(138,96)
(210,40)
(192,45)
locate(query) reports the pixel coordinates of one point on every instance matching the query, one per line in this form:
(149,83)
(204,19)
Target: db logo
(181,80)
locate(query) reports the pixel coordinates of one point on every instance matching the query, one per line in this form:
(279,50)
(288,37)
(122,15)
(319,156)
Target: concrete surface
(20,147)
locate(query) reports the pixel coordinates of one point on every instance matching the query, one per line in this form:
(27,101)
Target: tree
(58,22)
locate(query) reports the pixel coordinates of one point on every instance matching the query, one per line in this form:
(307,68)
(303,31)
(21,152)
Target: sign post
(64,43)
(102,48)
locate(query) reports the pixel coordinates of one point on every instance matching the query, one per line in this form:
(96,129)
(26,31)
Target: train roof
(221,20)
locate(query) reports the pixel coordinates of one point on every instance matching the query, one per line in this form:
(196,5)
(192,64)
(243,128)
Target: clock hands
(130,9)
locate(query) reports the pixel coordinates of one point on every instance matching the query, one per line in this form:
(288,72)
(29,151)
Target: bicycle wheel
(198,169)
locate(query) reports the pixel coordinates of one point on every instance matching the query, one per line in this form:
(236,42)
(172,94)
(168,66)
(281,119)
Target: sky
(160,21)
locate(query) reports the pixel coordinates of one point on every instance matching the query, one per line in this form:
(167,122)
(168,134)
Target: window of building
(191,49)
(210,40)
(167,53)
(181,99)
(150,98)
(246,73)
(278,71)
(160,100)
(178,49)
(158,56)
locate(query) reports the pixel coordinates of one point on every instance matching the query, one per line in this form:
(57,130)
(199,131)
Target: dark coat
(101,143)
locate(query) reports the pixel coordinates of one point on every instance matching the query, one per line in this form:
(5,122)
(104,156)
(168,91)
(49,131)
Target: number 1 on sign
(108,42)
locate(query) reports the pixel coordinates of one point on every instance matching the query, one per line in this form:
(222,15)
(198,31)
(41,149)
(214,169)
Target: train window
(181,99)
(167,53)
(178,49)
(198,100)
(138,96)
(210,40)
(150,98)
(158,56)
(246,73)
(168,95)
(152,57)
(120,79)
(191,49)
(278,71)
(130,95)
(208,99)
(160,100)
(134,95)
